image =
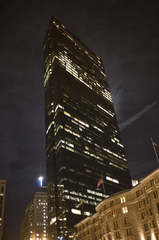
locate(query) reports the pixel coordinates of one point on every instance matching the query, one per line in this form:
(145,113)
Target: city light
(40,181)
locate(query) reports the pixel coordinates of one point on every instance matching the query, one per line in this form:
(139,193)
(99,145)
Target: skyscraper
(2,201)
(82,135)
(34,225)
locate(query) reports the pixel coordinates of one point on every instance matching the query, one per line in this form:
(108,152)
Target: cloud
(136,116)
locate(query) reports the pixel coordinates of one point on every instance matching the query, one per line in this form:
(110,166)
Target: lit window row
(114,165)
(112,179)
(49,127)
(100,130)
(116,155)
(110,113)
(96,193)
(67,63)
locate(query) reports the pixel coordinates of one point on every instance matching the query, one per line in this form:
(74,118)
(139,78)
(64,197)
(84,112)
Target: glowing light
(134,182)
(52,220)
(40,181)
(112,180)
(75,211)
(108,112)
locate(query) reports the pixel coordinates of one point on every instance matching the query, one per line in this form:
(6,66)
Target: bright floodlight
(40,181)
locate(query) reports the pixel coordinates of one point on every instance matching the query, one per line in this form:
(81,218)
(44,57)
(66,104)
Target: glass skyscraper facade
(83,140)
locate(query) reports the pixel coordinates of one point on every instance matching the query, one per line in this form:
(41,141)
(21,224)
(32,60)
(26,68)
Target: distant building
(83,140)
(2,201)
(131,214)
(34,226)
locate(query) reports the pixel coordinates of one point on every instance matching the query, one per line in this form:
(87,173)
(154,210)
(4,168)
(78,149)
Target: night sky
(124,34)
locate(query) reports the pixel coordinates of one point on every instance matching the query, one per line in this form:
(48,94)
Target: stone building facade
(130,214)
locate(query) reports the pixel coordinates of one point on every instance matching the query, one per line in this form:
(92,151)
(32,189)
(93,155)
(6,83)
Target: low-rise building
(130,214)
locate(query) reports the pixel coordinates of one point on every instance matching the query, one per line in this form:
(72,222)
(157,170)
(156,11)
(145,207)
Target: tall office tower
(82,135)
(34,225)
(2,201)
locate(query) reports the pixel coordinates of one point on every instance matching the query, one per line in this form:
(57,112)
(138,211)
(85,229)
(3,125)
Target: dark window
(155,193)
(2,189)
(148,237)
(150,211)
(117,234)
(109,237)
(126,220)
(140,204)
(147,200)
(108,229)
(153,224)
(138,193)
(128,231)
(152,182)
(115,224)
(146,227)
(143,215)
(112,203)
(157,236)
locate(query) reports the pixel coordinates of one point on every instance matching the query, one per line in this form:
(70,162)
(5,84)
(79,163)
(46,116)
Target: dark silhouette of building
(82,135)
(2,202)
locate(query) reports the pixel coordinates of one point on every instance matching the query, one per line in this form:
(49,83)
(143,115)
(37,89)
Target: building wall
(130,214)
(2,201)
(34,226)
(82,135)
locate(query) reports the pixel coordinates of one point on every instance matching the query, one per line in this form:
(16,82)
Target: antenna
(154,144)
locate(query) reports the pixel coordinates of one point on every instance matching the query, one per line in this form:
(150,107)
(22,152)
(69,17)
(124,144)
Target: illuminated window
(58,106)
(122,199)
(113,213)
(87,213)
(75,211)
(108,112)
(125,210)
(112,180)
